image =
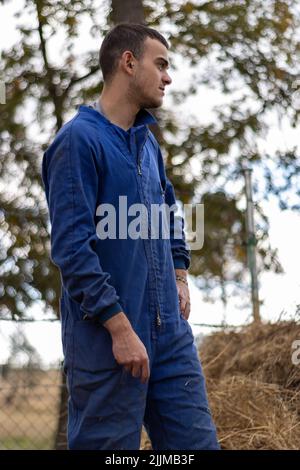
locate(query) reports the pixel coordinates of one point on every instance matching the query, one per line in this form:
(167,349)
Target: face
(150,76)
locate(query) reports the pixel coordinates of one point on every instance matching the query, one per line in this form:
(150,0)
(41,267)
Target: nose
(167,79)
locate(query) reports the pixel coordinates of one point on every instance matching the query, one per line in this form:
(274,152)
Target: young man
(129,352)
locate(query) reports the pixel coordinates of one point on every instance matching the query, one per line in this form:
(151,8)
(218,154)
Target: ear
(127,61)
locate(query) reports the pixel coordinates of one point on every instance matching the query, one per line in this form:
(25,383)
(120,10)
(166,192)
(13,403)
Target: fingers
(139,370)
(187,310)
(184,299)
(136,370)
(185,307)
(145,372)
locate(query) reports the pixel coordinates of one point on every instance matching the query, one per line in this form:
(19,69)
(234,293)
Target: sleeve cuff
(180,263)
(110,312)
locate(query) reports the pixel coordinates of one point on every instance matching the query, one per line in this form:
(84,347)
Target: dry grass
(253,386)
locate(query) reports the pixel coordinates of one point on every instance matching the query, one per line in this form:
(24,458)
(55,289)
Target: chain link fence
(29,407)
(30,390)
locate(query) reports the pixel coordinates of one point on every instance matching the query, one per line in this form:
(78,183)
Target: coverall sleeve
(71,177)
(180,251)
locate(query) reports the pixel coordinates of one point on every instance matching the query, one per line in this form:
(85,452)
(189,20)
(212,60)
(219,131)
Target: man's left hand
(183,293)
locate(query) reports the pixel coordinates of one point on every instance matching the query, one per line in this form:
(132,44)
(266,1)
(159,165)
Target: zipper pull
(158,319)
(139,169)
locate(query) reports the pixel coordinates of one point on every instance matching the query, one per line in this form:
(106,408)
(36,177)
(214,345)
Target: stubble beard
(137,93)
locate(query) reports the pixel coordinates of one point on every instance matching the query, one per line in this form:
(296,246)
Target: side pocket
(95,374)
(92,347)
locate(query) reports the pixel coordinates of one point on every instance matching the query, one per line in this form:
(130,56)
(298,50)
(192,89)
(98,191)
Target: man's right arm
(71,179)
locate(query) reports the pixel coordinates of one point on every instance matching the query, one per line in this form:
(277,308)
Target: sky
(280,293)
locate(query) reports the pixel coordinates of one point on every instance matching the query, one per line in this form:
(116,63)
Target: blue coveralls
(90,162)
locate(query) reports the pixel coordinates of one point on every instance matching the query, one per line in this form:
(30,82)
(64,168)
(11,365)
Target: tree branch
(57,101)
(74,80)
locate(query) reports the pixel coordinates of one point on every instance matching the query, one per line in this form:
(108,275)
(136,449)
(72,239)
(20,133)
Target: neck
(117,108)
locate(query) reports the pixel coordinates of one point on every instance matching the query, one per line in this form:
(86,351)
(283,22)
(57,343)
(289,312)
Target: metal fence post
(251,244)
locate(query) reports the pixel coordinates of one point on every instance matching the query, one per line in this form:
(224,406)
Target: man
(129,352)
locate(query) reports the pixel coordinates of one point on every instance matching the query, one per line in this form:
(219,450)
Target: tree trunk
(127,11)
(132,11)
(60,442)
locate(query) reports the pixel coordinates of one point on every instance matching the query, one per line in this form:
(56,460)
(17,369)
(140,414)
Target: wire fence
(29,407)
(208,325)
(31,384)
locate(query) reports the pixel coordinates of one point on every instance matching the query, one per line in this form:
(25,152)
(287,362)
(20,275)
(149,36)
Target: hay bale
(253,386)
(253,415)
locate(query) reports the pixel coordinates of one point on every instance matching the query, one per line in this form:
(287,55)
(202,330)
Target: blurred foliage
(247,53)
(245,50)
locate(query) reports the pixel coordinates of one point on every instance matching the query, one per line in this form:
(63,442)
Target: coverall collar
(143,117)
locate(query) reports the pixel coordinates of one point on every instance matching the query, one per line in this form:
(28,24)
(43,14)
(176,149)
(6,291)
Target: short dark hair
(123,37)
